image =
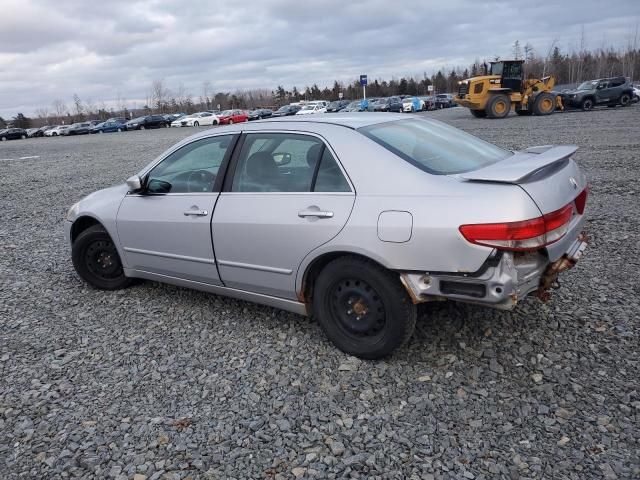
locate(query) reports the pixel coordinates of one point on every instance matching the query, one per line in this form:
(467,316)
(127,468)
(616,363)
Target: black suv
(12,134)
(391,104)
(150,121)
(605,91)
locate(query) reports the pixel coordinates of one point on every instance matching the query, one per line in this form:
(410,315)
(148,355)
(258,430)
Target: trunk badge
(573,182)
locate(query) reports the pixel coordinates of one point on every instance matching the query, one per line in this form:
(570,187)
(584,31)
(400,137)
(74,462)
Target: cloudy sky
(52,49)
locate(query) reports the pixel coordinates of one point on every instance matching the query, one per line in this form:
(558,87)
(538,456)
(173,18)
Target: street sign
(363,80)
(340,95)
(429,88)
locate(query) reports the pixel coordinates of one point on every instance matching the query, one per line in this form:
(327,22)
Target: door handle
(196,213)
(315,213)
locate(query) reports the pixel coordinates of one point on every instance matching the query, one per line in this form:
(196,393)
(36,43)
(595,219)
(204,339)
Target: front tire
(23,137)
(196,124)
(3,139)
(625,99)
(142,127)
(587,104)
(363,308)
(230,122)
(96,260)
(544,104)
(498,106)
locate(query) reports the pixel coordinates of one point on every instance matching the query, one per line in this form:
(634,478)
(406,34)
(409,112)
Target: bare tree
(159,95)
(60,109)
(78,108)
(43,114)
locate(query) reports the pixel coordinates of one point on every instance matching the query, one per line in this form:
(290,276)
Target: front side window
(287,162)
(193,168)
(434,146)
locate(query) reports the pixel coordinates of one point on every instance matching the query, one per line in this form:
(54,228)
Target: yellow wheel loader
(504,88)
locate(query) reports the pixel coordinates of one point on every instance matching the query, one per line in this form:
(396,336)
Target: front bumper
(508,278)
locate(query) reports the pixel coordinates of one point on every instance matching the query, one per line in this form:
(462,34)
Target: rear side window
(433,146)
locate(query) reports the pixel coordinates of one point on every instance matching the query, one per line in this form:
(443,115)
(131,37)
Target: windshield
(496,68)
(433,146)
(588,85)
(227,113)
(139,119)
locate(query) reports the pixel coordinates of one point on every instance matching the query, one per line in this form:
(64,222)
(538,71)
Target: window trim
(217,184)
(231,171)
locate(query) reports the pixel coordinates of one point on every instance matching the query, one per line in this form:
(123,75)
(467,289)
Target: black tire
(215,122)
(96,260)
(544,104)
(119,130)
(587,104)
(478,113)
(498,106)
(625,99)
(230,122)
(3,139)
(386,319)
(23,137)
(142,127)
(196,124)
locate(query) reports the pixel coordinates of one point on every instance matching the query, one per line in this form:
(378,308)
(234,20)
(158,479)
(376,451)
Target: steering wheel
(200,181)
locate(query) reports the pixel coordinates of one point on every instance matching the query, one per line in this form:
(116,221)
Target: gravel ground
(162,382)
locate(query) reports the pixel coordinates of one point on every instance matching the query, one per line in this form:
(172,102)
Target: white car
(197,119)
(317,108)
(56,131)
(412,104)
(636,93)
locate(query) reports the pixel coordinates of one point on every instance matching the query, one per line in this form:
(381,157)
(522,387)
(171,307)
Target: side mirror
(281,158)
(134,183)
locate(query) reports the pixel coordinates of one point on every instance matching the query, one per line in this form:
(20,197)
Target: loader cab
(511,73)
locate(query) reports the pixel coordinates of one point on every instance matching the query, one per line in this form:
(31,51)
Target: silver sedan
(351,218)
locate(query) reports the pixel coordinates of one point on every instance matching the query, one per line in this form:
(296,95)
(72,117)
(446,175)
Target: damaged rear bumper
(507,279)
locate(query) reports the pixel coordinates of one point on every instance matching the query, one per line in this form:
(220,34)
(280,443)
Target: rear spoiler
(521,165)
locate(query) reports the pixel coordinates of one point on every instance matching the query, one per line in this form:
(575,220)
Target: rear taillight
(526,235)
(581,201)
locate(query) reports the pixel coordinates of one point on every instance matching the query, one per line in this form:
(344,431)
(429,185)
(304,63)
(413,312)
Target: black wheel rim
(357,309)
(102,260)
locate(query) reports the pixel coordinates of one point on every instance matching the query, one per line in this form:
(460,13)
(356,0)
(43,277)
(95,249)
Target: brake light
(526,235)
(581,201)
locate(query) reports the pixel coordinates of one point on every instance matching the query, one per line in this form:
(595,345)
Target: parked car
(390,104)
(412,104)
(337,105)
(360,250)
(80,128)
(148,121)
(56,131)
(429,102)
(369,104)
(636,93)
(229,117)
(355,106)
(12,134)
(42,130)
(312,108)
(196,119)
(445,100)
(286,111)
(108,126)
(605,91)
(260,113)
(31,132)
(117,119)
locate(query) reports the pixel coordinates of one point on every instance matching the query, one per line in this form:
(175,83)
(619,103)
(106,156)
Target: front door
(166,229)
(287,196)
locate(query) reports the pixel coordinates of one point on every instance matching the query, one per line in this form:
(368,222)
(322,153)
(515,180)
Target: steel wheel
(96,259)
(363,308)
(358,308)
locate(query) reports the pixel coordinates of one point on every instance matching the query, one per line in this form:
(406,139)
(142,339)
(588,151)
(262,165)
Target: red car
(233,116)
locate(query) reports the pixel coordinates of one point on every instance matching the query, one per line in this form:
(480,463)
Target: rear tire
(362,308)
(96,260)
(625,99)
(498,106)
(587,104)
(544,104)
(478,113)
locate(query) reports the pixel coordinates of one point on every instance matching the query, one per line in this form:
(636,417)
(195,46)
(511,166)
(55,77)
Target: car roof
(354,121)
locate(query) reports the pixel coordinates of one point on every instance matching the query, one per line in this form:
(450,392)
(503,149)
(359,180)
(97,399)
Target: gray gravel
(162,382)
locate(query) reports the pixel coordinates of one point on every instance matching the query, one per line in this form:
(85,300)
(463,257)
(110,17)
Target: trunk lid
(547,173)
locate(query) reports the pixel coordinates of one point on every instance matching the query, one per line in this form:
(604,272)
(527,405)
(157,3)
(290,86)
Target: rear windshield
(433,146)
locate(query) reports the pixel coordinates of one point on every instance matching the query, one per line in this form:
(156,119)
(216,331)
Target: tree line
(568,68)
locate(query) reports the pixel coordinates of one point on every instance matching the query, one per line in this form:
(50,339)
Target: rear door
(285,195)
